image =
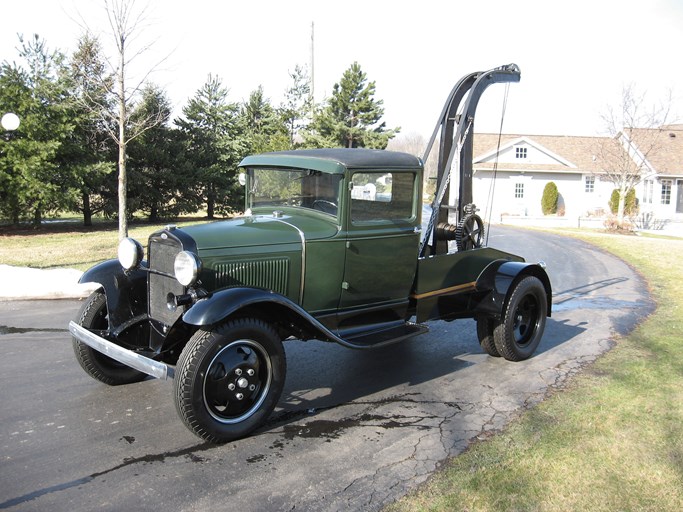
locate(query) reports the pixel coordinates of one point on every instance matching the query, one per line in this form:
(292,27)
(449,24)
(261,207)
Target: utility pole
(312,67)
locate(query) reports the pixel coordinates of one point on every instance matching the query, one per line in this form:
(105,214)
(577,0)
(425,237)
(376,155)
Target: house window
(520,152)
(648,189)
(590,184)
(666,191)
(519,190)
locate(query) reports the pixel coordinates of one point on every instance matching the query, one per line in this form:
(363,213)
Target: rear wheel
(518,334)
(485,327)
(93,316)
(229,379)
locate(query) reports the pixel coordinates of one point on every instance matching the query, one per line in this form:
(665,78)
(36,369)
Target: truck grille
(271,273)
(161,280)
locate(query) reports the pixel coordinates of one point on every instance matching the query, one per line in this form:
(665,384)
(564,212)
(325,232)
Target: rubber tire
(485,327)
(512,338)
(93,315)
(193,366)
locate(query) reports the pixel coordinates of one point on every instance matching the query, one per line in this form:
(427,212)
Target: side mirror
(242,178)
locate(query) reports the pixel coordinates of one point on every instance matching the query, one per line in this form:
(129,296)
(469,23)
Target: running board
(383,337)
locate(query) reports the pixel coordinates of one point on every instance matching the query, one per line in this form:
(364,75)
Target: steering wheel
(325,206)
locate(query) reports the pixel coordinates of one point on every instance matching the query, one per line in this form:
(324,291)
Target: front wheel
(229,379)
(520,331)
(93,316)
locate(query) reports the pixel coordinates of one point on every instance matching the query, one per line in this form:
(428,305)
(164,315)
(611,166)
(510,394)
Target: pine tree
(154,175)
(297,109)
(352,116)
(214,137)
(93,152)
(265,128)
(35,177)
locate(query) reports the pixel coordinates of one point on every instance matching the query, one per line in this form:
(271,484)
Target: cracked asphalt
(353,431)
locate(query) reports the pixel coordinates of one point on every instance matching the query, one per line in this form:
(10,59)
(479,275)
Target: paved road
(353,431)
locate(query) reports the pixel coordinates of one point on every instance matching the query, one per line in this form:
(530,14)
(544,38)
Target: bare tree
(126,23)
(634,130)
(415,144)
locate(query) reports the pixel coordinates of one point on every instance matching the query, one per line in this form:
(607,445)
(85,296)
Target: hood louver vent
(271,274)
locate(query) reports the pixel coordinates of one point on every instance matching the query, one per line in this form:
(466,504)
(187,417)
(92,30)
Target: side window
(379,196)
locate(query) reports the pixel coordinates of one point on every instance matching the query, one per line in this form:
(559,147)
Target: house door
(679,196)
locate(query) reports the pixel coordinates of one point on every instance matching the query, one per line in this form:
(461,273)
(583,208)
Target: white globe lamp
(10,121)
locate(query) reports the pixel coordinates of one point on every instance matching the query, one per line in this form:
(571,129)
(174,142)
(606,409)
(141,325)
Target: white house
(523,164)
(661,191)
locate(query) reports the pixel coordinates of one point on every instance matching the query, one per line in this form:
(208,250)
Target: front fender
(276,308)
(126,291)
(499,276)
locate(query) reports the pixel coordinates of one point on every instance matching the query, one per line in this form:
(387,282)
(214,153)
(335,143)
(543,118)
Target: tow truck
(331,247)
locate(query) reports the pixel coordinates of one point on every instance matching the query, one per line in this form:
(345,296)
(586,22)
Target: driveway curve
(353,430)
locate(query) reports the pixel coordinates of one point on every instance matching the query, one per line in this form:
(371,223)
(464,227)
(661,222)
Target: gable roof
(667,156)
(562,153)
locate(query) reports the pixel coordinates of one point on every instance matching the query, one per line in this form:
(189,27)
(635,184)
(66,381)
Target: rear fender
(274,308)
(497,280)
(125,290)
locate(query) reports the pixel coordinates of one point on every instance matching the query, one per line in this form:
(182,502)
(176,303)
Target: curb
(22,283)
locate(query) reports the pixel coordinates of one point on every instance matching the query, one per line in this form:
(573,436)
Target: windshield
(293,187)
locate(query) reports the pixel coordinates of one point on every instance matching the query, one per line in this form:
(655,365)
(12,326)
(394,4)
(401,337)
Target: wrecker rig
(331,247)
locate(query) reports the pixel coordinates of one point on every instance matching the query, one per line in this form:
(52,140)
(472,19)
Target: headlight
(130,253)
(186,268)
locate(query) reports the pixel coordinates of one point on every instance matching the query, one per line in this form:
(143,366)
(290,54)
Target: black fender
(125,290)
(272,307)
(498,278)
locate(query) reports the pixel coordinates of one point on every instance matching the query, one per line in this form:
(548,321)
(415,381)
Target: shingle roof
(667,155)
(582,152)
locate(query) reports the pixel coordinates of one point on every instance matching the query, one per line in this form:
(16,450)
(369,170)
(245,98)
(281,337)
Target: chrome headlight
(130,253)
(186,268)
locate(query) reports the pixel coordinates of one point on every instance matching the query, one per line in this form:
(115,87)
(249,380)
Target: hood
(260,230)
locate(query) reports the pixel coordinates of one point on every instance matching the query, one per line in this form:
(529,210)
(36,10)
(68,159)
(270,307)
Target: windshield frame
(275,188)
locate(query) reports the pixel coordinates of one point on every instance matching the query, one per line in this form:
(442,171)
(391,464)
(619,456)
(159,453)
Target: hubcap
(526,320)
(237,381)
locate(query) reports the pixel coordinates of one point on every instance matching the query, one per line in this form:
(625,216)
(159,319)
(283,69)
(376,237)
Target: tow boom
(457,129)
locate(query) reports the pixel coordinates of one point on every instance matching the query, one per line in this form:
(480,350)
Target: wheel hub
(237,381)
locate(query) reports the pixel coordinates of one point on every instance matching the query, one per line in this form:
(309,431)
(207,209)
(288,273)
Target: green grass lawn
(69,245)
(612,440)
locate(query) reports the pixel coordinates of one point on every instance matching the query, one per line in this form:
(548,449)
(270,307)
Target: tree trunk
(123,179)
(621,205)
(87,210)
(37,217)
(210,202)
(123,186)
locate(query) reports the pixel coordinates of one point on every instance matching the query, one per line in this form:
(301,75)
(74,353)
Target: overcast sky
(575,56)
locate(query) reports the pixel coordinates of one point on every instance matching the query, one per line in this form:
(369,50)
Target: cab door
(382,245)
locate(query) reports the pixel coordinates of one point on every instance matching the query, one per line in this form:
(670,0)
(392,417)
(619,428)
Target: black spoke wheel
(93,316)
(470,232)
(521,328)
(229,379)
(485,327)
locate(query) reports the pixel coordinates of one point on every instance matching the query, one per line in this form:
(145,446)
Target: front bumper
(128,357)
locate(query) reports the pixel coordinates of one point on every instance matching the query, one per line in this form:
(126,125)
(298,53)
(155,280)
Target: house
(523,164)
(661,191)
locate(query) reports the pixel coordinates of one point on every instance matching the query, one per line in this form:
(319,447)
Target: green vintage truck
(332,247)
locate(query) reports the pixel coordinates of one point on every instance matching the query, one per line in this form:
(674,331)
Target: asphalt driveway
(353,430)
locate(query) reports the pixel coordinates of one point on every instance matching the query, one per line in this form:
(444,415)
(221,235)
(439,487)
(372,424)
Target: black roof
(355,158)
